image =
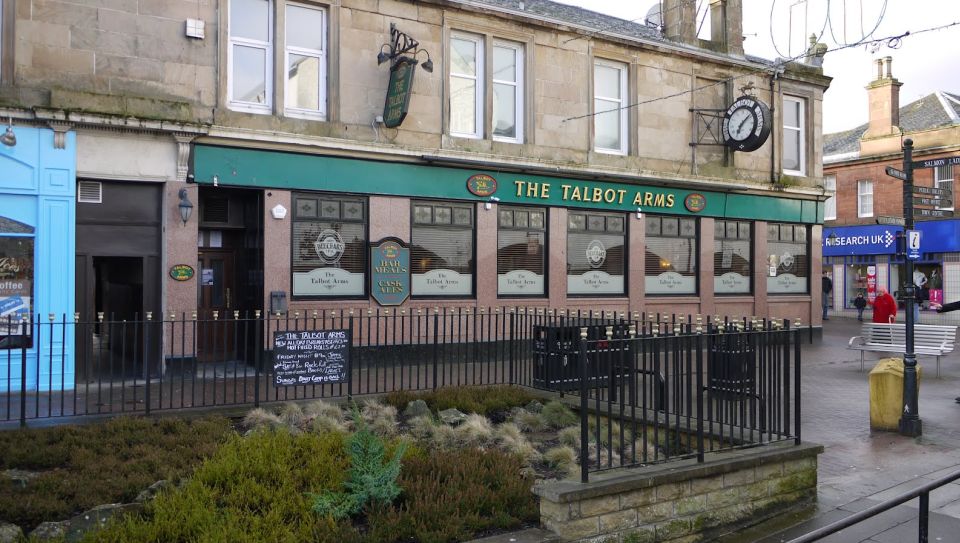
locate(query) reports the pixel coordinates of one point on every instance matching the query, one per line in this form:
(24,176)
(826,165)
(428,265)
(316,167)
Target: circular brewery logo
(329,246)
(390,250)
(787,261)
(695,202)
(481,185)
(596,253)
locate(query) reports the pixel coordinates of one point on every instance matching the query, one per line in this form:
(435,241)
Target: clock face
(742,123)
(746,124)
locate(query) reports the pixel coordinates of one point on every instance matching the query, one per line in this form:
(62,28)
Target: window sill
(249,108)
(306,115)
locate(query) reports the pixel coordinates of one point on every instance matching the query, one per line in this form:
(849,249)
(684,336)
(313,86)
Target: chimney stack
(883,96)
(726,25)
(680,21)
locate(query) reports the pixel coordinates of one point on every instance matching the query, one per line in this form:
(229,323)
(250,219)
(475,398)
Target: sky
(923,62)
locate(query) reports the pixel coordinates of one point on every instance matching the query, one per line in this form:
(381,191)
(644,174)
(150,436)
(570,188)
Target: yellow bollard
(886,393)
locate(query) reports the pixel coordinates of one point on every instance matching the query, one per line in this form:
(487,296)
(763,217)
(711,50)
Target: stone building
(551,157)
(860,253)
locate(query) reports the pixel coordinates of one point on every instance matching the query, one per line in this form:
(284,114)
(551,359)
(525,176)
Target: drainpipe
(773,132)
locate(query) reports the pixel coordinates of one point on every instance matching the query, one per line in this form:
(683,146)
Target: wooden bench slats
(929,339)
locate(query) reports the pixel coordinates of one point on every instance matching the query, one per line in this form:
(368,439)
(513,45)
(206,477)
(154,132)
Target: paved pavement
(860,468)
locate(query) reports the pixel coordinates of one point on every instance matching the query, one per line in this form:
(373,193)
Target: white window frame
(321,55)
(518,89)
(802,133)
(267,47)
(861,184)
(937,180)
(830,204)
(478,79)
(623,68)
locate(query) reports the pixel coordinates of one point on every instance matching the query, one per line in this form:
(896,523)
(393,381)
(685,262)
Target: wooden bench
(928,339)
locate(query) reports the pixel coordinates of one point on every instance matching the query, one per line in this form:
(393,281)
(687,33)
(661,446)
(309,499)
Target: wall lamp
(489,203)
(9,138)
(185,206)
(400,44)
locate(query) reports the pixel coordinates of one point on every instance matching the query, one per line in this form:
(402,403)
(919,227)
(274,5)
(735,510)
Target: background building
(857,251)
(553,157)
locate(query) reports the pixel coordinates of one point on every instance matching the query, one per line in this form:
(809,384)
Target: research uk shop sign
(861,240)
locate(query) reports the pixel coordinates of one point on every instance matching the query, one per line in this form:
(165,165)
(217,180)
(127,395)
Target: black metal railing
(923,525)
(678,390)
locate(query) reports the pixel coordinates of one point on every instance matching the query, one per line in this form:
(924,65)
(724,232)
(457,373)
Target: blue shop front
(37,224)
(863,259)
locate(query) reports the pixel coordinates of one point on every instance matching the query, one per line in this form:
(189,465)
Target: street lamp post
(910,423)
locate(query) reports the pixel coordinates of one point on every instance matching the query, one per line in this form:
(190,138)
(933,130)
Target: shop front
(489,238)
(37,188)
(863,259)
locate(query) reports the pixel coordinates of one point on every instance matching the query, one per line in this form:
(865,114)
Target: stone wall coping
(715,463)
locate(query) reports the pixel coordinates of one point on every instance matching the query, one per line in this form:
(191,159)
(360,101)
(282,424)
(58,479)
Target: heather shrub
(493,402)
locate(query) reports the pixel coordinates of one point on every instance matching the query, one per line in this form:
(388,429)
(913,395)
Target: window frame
(624,70)
(697,241)
(10,319)
(473,240)
(479,79)
(808,249)
(322,56)
(751,241)
(519,110)
(937,180)
(801,134)
(268,48)
(546,248)
(831,202)
(860,194)
(626,252)
(338,196)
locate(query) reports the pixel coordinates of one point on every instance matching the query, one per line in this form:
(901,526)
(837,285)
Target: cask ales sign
(390,272)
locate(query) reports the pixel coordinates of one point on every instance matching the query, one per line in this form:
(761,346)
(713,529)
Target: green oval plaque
(181,272)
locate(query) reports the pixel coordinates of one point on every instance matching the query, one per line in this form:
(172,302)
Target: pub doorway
(230,269)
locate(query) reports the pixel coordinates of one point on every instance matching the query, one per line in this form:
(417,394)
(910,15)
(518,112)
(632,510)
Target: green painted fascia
(237,167)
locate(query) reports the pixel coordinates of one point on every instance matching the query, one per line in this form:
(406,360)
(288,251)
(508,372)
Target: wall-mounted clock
(746,124)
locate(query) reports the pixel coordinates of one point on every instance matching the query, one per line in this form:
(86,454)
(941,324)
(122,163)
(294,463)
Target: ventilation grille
(216,210)
(90,192)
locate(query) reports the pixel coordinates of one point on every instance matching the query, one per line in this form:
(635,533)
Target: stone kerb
(684,500)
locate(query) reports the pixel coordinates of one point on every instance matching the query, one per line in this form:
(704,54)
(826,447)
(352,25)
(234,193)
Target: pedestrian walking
(884,307)
(946,308)
(860,303)
(827,289)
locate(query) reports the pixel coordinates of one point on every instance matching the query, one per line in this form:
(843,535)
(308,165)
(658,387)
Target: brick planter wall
(681,501)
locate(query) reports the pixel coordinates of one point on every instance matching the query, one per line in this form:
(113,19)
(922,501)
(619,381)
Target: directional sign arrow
(892,221)
(939,213)
(936,202)
(930,191)
(893,172)
(935,162)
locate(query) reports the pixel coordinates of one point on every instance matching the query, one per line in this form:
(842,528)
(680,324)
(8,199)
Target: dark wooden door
(216,336)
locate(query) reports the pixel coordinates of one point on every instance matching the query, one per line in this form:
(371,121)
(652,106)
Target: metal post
(146,361)
(910,423)
(584,416)
(258,356)
(23,369)
(924,520)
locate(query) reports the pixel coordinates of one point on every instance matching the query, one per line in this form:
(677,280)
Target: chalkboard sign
(308,357)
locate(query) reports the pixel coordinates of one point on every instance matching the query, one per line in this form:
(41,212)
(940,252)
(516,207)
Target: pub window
(732,262)
(788,261)
(16,289)
(329,246)
(596,258)
(521,255)
(441,249)
(671,255)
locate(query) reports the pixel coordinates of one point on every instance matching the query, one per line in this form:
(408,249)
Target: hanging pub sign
(390,271)
(398,92)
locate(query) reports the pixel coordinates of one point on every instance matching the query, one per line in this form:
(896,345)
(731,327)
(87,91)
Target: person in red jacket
(884,307)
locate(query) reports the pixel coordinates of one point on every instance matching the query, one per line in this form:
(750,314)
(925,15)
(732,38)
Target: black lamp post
(185,206)
(910,423)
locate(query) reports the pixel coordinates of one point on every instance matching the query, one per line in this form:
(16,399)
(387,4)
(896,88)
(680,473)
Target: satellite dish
(653,18)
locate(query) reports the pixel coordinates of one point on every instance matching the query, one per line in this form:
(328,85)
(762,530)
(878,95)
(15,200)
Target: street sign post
(891,221)
(933,213)
(935,202)
(936,162)
(913,244)
(893,172)
(933,192)
(910,423)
